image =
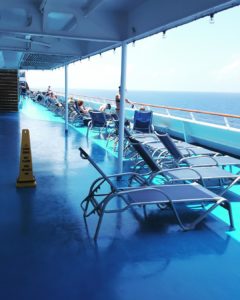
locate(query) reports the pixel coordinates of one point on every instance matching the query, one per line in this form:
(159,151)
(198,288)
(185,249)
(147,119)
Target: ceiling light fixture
(212,21)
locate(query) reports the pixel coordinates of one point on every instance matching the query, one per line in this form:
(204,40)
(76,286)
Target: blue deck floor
(46,250)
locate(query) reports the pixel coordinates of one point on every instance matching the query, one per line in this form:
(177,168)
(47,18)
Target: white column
(66,98)
(122,105)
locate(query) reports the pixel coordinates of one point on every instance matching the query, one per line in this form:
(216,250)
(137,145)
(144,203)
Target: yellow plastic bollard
(26,178)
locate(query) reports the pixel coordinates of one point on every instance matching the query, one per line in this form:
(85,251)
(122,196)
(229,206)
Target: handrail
(190,110)
(168,107)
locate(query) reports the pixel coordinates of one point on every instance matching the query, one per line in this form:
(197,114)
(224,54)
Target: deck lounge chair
(161,196)
(150,138)
(121,180)
(156,147)
(145,138)
(177,159)
(142,121)
(98,120)
(210,176)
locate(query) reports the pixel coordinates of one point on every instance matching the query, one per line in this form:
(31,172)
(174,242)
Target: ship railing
(228,120)
(194,115)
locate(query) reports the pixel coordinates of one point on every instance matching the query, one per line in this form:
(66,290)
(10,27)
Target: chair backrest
(127,132)
(142,121)
(74,105)
(114,117)
(84,155)
(144,154)
(98,119)
(170,146)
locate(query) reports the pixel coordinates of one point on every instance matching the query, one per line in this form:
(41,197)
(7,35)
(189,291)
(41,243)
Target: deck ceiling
(45,34)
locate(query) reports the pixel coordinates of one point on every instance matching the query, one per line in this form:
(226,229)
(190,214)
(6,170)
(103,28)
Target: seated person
(104,107)
(39,97)
(71,100)
(49,91)
(23,88)
(71,105)
(53,98)
(82,109)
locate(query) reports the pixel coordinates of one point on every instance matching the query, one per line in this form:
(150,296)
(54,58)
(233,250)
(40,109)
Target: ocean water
(228,103)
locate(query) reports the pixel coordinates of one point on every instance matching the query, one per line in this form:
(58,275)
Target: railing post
(66,98)
(122,105)
(192,116)
(168,112)
(186,136)
(226,122)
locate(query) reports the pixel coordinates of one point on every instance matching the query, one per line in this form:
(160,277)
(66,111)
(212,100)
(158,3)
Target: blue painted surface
(47,251)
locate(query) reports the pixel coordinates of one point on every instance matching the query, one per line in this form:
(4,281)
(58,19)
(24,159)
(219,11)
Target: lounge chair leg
(85,209)
(87,131)
(222,202)
(227,206)
(144,211)
(191,226)
(229,186)
(184,227)
(98,226)
(101,213)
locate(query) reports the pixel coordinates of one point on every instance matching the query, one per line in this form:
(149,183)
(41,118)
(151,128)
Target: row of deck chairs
(174,154)
(95,120)
(109,123)
(75,117)
(179,186)
(210,173)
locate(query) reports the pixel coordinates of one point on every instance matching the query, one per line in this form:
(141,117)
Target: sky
(198,56)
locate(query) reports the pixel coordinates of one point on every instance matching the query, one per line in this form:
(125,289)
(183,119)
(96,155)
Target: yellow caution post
(26,178)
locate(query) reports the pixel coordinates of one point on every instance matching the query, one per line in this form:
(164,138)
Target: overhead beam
(42,52)
(70,25)
(91,6)
(26,40)
(60,35)
(42,10)
(42,6)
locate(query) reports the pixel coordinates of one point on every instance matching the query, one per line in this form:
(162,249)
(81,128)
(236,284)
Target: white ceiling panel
(62,31)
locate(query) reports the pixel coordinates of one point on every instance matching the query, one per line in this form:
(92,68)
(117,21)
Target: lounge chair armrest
(182,160)
(155,174)
(130,174)
(153,142)
(163,153)
(83,154)
(164,173)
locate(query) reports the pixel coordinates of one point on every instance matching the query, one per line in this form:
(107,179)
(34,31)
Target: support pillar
(66,98)
(122,105)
